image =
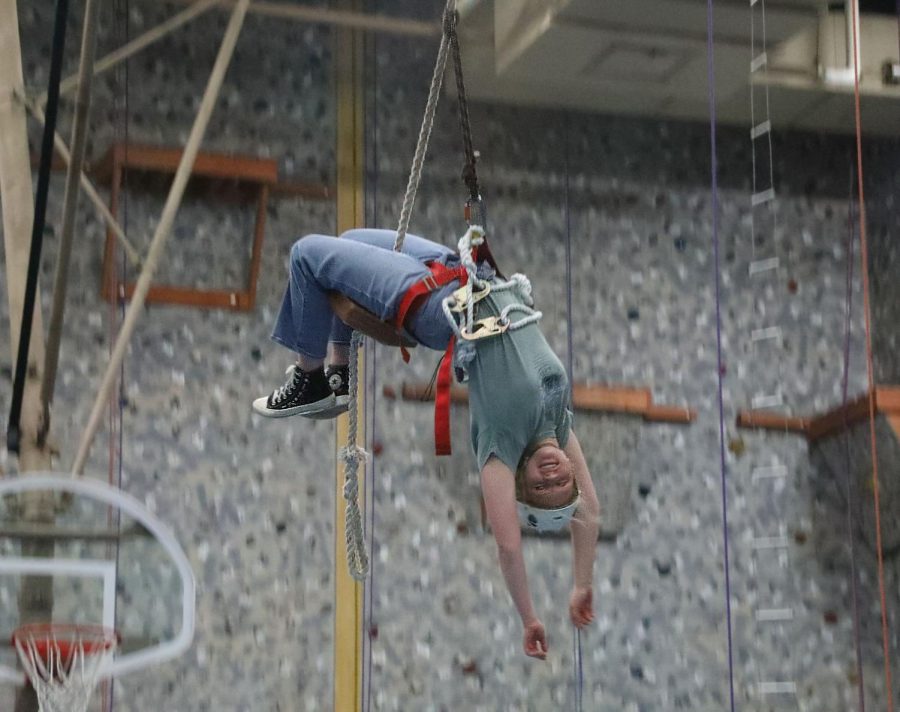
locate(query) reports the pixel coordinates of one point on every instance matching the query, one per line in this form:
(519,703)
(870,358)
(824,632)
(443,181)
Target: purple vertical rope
(845,397)
(123,118)
(714,187)
(570,360)
(371,367)
(370,502)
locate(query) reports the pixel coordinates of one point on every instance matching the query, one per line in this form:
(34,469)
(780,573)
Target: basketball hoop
(64,661)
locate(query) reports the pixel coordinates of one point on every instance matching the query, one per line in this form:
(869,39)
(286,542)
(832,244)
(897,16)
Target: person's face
(549,481)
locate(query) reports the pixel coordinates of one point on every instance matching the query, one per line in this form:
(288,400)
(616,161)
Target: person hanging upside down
(533,471)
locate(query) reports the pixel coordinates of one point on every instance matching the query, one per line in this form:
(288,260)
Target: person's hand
(534,640)
(581,606)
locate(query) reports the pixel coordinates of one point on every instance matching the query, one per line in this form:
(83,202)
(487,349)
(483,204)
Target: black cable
(13,433)
(470,176)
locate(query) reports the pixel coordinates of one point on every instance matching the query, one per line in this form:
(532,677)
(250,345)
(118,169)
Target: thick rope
(472,238)
(870,368)
(352,454)
(415,174)
(714,187)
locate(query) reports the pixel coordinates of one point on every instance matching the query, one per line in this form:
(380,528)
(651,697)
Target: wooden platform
(886,402)
(841,450)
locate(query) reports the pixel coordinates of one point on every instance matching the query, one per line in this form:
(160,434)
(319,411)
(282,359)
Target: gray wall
(252,501)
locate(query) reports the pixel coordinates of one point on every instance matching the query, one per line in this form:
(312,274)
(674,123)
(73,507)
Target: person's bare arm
(499,489)
(585,527)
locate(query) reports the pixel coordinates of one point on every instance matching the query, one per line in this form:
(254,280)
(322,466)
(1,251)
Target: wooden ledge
(887,402)
(223,166)
(601,399)
(160,159)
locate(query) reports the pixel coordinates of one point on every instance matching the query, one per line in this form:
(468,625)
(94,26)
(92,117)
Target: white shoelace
(282,392)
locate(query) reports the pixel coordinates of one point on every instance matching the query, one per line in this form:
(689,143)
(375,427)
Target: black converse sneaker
(304,393)
(338,381)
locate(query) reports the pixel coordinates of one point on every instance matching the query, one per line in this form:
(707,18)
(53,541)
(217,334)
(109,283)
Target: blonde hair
(530,449)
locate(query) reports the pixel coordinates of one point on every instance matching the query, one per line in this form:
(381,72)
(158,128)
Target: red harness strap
(442,402)
(440,276)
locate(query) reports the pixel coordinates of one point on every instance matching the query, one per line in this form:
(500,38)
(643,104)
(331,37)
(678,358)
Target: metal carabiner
(459,302)
(484,328)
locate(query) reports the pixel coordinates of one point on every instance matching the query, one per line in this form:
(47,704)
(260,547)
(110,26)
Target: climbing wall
(251,500)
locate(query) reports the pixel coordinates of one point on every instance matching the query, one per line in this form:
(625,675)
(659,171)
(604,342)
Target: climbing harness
(467,329)
(473,290)
(440,275)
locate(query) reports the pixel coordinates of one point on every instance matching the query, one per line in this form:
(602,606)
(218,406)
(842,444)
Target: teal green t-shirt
(518,389)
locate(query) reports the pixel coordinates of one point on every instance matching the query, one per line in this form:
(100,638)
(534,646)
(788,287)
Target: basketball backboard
(76,550)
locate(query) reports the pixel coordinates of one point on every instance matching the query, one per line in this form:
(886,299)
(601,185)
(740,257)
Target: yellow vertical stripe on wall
(348,593)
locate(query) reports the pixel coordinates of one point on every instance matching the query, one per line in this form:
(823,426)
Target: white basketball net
(64,672)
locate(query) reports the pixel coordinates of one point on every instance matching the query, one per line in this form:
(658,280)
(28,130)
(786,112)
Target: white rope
(532,316)
(415,174)
(352,454)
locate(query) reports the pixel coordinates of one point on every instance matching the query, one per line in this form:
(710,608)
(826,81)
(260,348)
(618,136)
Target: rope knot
(352,455)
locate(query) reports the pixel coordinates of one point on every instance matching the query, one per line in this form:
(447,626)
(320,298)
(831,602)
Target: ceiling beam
(340,18)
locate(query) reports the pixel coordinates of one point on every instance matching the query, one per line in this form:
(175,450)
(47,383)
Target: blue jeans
(361,265)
